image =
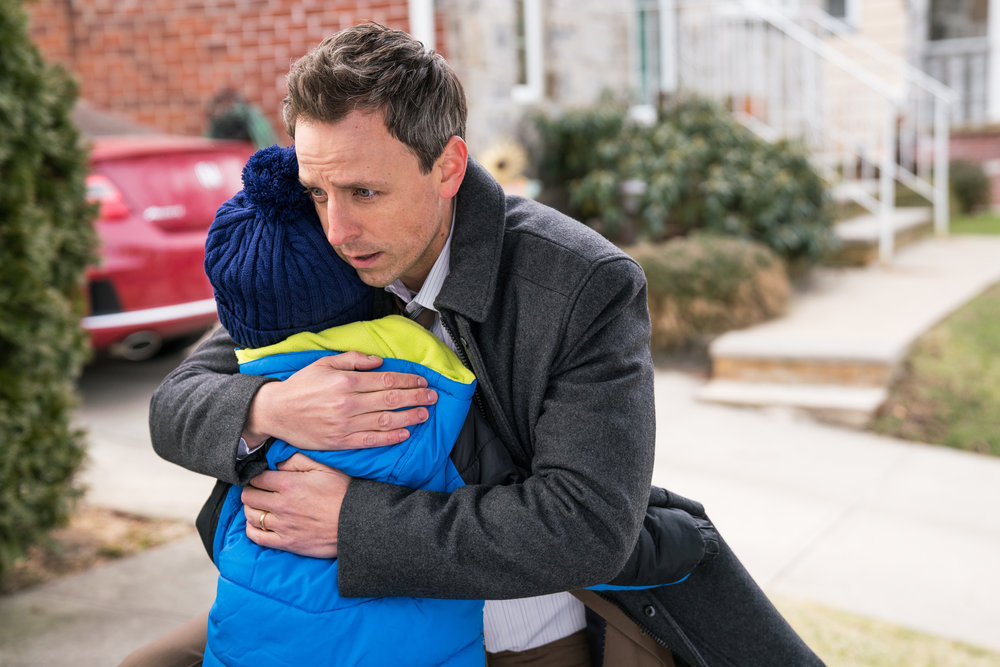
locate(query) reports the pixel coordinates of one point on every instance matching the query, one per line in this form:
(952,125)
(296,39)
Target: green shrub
(695,169)
(970,185)
(46,240)
(565,151)
(704,285)
(568,141)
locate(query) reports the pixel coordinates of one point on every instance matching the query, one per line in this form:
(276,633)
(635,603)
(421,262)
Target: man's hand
(331,405)
(302,503)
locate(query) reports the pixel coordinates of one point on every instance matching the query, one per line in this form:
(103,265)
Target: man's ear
(450,167)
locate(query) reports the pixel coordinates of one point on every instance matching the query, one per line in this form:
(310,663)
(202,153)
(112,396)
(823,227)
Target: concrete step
(835,352)
(803,370)
(847,406)
(834,381)
(859,236)
(802,350)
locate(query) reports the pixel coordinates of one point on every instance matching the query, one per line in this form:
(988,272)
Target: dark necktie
(421,315)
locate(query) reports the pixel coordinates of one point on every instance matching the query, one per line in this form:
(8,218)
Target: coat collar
(476,245)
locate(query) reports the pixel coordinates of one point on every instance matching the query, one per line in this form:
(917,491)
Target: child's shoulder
(391,337)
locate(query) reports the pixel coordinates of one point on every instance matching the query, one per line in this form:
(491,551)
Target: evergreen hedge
(46,241)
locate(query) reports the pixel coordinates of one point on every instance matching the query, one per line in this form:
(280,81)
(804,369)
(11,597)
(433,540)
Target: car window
(176,190)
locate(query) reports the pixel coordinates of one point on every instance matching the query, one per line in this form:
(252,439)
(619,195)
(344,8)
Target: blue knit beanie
(273,270)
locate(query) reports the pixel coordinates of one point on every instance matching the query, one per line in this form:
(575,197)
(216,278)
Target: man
(550,317)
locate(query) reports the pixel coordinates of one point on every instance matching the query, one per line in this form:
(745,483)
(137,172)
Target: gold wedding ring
(262,515)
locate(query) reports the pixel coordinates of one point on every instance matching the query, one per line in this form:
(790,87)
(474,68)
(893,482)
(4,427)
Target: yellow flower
(505,161)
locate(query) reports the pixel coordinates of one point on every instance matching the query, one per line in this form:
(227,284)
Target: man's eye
(365,193)
(316,194)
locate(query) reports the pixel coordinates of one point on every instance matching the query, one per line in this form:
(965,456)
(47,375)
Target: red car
(158,195)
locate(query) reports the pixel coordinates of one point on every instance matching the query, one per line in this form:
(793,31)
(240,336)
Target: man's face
(380,212)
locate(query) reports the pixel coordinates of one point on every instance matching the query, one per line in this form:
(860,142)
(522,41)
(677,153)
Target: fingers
(263,515)
(269,538)
(333,380)
(329,405)
(272,534)
(372,409)
(296,508)
(265,482)
(299,462)
(355,361)
(270,489)
(352,361)
(369,417)
(368,392)
(385,390)
(361,394)
(264,508)
(264,521)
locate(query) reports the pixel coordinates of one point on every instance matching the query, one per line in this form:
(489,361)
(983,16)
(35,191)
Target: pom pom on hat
(273,271)
(271,181)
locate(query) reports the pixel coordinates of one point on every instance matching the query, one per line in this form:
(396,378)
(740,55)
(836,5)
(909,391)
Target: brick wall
(160,62)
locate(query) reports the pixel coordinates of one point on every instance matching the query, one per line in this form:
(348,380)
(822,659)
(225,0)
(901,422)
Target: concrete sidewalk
(902,532)
(896,531)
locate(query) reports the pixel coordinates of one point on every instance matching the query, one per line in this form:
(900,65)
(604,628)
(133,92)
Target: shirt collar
(432,284)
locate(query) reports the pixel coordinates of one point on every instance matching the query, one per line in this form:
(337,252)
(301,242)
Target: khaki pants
(572,651)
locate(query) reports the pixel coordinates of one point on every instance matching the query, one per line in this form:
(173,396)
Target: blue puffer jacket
(276,608)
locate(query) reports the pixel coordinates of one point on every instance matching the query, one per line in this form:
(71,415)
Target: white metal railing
(868,118)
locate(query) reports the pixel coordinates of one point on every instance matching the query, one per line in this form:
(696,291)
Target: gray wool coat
(553,321)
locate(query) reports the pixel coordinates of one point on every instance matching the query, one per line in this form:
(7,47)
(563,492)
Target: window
(655,69)
(648,51)
(528,46)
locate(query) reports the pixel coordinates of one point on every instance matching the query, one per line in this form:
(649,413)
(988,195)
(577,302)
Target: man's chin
(375,279)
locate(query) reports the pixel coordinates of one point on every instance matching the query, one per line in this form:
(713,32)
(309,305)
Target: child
(287,299)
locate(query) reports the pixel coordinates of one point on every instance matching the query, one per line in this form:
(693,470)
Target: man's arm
(573,522)
(200,410)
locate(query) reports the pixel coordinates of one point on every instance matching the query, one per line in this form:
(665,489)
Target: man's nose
(339,227)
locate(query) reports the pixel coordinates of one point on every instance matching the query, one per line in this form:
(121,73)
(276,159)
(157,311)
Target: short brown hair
(372,68)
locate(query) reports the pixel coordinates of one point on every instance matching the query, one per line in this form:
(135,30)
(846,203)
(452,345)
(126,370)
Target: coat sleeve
(677,537)
(196,415)
(574,521)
